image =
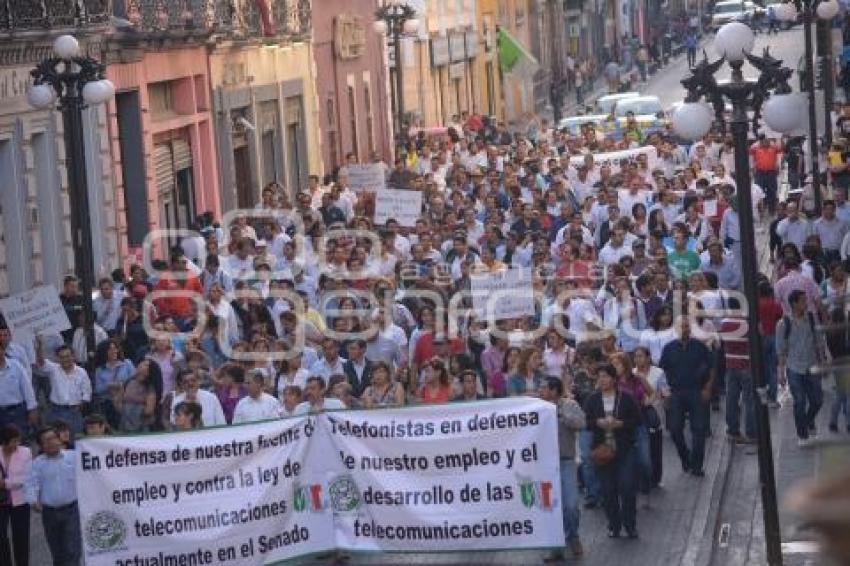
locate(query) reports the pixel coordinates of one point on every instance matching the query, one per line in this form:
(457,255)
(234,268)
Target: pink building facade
(161,133)
(351,77)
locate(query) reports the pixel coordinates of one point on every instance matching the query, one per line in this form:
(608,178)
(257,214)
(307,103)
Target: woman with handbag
(15,461)
(641,391)
(613,418)
(657,402)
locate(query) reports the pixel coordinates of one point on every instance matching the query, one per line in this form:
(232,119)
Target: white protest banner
(367,177)
(467,476)
(404,206)
(235,495)
(502,295)
(613,158)
(35,312)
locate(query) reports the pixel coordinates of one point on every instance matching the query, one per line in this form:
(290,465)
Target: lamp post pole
(814,154)
(824,54)
(750,269)
(397,19)
(76,81)
(693,120)
(399,86)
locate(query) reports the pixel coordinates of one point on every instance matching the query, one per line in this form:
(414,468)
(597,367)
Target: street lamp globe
(380,27)
(828,9)
(783,113)
(41,96)
(692,120)
(66,47)
(411,26)
(733,40)
(97,92)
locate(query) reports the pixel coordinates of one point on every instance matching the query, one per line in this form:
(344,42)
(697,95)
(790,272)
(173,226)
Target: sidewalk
(738,535)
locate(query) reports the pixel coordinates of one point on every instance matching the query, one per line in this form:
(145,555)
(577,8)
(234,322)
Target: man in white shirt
(316,401)
(793,229)
(194,246)
(258,405)
(107,305)
(331,362)
(214,273)
(80,345)
(635,195)
(70,386)
(228,324)
(616,248)
(211,412)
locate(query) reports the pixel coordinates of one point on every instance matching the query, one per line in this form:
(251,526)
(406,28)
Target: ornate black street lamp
(397,19)
(74,81)
(825,10)
(782,113)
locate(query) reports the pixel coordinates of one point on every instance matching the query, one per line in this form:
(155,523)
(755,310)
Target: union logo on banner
(537,494)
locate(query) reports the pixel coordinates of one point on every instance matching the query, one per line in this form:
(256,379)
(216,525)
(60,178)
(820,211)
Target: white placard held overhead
(503,295)
(368,177)
(403,206)
(34,312)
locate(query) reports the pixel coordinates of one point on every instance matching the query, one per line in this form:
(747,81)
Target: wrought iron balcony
(229,19)
(45,15)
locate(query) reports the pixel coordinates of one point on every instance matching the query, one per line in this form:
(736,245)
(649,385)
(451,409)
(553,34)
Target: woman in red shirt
(770,312)
(436,388)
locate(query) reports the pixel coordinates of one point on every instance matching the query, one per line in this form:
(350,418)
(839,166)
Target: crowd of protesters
(303,304)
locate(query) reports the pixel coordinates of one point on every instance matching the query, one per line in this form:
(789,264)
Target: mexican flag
(514,57)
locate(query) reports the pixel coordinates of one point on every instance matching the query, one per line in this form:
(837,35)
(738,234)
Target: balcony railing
(40,15)
(236,19)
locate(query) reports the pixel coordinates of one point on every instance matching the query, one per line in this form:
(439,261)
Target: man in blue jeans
(688,363)
(51,490)
(801,348)
(739,378)
(571,419)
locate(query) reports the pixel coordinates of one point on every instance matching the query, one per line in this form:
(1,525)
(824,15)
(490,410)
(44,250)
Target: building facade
(489,79)
(439,63)
(513,17)
(265,103)
(352,81)
(161,127)
(548,34)
(35,219)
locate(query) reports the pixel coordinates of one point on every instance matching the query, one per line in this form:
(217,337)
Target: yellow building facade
(487,74)
(441,74)
(518,93)
(267,117)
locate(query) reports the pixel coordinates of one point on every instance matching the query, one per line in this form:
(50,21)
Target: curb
(702,535)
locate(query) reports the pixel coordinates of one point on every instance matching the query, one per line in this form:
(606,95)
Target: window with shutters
(333,137)
(367,106)
(161,100)
(352,112)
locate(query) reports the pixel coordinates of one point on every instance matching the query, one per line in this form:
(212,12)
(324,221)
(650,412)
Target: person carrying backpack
(800,349)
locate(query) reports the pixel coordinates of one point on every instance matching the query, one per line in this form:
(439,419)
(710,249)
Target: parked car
(605,104)
(732,11)
(574,123)
(643,107)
